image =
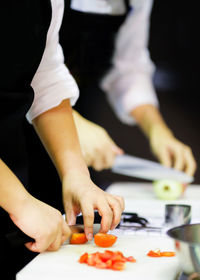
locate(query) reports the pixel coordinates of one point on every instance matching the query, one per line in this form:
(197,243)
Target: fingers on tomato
(104,239)
(78,238)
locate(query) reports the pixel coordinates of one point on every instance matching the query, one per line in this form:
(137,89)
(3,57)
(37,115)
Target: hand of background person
(170,151)
(98,148)
(80,194)
(43,223)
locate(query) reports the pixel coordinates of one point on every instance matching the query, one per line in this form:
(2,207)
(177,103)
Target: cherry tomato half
(104,239)
(78,238)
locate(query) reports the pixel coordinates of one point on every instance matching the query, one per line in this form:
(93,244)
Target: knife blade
(149,170)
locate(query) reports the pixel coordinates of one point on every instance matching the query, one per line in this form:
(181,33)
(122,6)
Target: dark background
(174,48)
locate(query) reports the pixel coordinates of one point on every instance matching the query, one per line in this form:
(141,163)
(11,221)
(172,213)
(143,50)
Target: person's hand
(43,223)
(80,194)
(98,148)
(171,152)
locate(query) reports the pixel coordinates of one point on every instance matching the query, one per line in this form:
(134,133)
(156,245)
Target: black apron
(23,30)
(87,40)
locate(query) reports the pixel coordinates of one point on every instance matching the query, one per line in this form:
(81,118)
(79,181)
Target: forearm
(148,118)
(12,192)
(58,133)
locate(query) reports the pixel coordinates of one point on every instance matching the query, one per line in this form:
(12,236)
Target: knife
(149,170)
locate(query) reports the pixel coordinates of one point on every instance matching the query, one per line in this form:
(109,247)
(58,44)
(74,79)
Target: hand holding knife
(18,238)
(148,170)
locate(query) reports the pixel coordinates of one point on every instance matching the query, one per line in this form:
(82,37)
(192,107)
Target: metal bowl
(177,214)
(187,246)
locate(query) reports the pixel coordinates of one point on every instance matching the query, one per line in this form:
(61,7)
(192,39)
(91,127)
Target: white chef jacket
(52,81)
(128,84)
(109,7)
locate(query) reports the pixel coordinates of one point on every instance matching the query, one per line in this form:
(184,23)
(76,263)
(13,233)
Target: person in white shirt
(34,68)
(127,81)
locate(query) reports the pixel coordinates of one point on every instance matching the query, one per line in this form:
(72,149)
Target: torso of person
(87,36)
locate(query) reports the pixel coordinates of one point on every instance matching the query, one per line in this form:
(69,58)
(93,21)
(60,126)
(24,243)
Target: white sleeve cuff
(50,90)
(123,101)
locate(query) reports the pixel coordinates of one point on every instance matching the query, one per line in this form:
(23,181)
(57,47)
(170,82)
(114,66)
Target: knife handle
(18,238)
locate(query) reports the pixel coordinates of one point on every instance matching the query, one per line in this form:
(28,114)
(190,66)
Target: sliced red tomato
(107,255)
(118,265)
(130,259)
(158,253)
(106,260)
(109,264)
(83,258)
(100,264)
(104,239)
(155,254)
(118,257)
(78,238)
(168,254)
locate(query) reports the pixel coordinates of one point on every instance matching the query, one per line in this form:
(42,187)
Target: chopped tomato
(109,263)
(130,259)
(168,254)
(101,265)
(118,265)
(158,253)
(107,255)
(78,238)
(118,257)
(154,254)
(104,239)
(106,260)
(84,258)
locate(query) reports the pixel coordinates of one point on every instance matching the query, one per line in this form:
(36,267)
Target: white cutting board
(63,264)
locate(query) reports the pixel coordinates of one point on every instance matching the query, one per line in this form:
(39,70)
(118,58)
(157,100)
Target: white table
(139,198)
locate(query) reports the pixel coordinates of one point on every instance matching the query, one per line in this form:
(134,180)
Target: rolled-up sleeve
(129,83)
(52,83)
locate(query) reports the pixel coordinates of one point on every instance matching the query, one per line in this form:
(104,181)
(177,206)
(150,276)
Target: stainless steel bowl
(187,246)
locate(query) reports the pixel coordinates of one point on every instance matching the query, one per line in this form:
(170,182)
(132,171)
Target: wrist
(17,198)
(72,166)
(151,121)
(12,192)
(159,130)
